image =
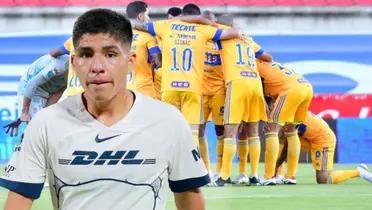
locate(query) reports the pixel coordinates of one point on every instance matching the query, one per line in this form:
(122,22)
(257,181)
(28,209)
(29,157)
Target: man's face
(102,63)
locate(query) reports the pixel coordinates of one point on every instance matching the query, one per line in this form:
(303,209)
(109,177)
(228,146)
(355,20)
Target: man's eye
(84,55)
(111,54)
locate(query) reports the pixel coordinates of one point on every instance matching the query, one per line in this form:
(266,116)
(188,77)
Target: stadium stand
(61,3)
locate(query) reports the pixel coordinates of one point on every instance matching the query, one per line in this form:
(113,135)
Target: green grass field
(355,194)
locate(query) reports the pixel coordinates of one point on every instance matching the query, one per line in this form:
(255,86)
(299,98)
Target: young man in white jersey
(107,148)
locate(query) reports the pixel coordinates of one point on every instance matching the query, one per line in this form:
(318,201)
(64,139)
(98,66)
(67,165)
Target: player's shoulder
(155,109)
(59,110)
(141,34)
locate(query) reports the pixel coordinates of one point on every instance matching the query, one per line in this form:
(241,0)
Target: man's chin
(98,96)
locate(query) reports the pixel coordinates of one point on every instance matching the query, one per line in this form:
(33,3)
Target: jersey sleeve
(152,46)
(257,49)
(187,170)
(212,33)
(25,172)
(32,84)
(157,28)
(68,45)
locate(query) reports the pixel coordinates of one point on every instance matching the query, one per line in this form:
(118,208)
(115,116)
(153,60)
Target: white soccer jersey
(91,166)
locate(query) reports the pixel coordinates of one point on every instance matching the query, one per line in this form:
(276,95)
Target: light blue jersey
(45,76)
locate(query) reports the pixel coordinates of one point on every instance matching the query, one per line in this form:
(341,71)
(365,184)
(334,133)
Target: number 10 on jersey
(186,59)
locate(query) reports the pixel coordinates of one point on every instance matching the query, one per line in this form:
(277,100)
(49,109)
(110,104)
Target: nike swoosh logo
(99,140)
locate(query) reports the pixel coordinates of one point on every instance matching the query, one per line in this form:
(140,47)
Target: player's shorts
(244,101)
(214,104)
(322,154)
(189,103)
(292,105)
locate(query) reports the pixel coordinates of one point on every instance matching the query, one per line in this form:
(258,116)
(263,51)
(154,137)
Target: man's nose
(98,65)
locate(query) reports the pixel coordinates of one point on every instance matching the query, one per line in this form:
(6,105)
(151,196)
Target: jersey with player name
(238,58)
(128,165)
(183,48)
(277,78)
(144,45)
(45,75)
(213,81)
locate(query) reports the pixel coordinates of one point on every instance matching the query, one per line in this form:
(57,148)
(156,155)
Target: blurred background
(329,41)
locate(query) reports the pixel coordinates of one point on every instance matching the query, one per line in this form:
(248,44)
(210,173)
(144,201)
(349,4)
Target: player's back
(183,48)
(276,77)
(238,58)
(38,65)
(317,130)
(213,82)
(49,69)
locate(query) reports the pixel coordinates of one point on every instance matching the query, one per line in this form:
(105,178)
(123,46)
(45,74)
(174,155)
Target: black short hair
(174,11)
(135,8)
(102,21)
(191,9)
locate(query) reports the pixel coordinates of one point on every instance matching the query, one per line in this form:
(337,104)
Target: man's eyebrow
(84,49)
(110,47)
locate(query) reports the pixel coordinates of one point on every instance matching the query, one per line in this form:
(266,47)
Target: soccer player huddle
(207,69)
(103,141)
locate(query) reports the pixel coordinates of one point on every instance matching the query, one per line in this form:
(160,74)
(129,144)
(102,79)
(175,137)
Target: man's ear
(72,59)
(131,61)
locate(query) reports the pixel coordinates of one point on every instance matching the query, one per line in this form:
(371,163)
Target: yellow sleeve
(212,33)
(157,28)
(68,45)
(256,47)
(152,43)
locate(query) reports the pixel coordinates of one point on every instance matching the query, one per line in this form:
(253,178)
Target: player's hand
(25,117)
(12,128)
(266,127)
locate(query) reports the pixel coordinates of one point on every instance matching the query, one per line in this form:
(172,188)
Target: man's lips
(99,82)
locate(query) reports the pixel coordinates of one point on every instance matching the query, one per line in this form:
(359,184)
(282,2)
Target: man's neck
(112,111)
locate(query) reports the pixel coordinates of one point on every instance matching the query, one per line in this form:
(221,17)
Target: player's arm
(16,201)
(155,28)
(261,54)
(265,57)
(154,52)
(28,92)
(65,49)
(230,33)
(58,52)
(189,200)
(186,170)
(24,176)
(156,60)
(25,112)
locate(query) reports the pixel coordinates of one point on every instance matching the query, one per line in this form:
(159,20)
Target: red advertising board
(348,105)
